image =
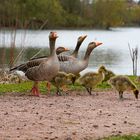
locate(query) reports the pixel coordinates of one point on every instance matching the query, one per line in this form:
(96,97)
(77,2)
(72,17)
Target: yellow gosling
(122,83)
(62,79)
(107,74)
(91,79)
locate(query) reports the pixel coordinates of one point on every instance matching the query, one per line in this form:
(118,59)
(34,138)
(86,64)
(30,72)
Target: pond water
(113,53)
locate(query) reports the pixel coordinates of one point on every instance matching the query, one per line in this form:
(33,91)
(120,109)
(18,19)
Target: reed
(134,58)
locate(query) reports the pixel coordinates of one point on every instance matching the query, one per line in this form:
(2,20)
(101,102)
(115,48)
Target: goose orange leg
(35,89)
(48,85)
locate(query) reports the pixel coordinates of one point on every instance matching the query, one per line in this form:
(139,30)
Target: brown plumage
(47,68)
(36,61)
(122,83)
(59,50)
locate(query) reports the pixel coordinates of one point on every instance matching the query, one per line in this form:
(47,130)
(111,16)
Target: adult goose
(47,68)
(74,65)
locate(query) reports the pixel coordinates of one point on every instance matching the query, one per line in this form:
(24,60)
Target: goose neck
(52,47)
(75,52)
(87,54)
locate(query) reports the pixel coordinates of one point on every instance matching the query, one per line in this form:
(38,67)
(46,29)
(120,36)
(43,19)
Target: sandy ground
(77,116)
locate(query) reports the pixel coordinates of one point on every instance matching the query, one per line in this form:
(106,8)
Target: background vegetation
(44,14)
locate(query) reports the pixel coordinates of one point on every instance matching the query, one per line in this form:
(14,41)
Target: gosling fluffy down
(107,73)
(122,83)
(62,79)
(90,79)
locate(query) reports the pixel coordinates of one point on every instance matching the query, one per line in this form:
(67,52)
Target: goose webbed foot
(35,91)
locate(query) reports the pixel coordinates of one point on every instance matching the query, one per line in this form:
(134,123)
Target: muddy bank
(76,117)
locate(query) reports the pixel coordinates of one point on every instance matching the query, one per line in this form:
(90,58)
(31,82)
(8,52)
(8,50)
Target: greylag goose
(122,83)
(46,68)
(107,74)
(62,79)
(75,66)
(90,79)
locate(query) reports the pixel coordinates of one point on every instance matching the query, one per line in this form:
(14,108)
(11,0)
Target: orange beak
(98,43)
(55,34)
(66,49)
(84,36)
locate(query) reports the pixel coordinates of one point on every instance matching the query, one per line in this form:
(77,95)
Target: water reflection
(114,52)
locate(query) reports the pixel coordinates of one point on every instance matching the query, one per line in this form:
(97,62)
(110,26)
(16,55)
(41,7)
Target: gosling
(91,79)
(107,74)
(62,79)
(123,83)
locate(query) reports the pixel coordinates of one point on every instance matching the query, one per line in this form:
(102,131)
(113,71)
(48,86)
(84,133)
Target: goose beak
(66,49)
(98,43)
(55,34)
(84,37)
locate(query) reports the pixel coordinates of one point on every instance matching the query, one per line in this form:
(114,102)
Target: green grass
(26,87)
(125,137)
(22,87)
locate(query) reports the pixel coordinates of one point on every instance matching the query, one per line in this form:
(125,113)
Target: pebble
(106,126)
(6,113)
(113,123)
(95,126)
(68,138)
(125,122)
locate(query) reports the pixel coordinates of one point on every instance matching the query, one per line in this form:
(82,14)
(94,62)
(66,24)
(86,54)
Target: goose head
(53,36)
(91,46)
(52,39)
(79,42)
(61,49)
(102,69)
(81,38)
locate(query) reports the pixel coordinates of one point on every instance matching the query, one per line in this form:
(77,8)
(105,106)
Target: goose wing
(24,67)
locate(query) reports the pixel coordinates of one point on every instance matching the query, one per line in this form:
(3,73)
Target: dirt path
(72,117)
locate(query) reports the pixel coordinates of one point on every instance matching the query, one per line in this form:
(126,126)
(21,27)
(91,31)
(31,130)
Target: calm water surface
(114,52)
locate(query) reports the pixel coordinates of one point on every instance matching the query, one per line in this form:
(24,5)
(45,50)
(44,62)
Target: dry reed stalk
(134,58)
